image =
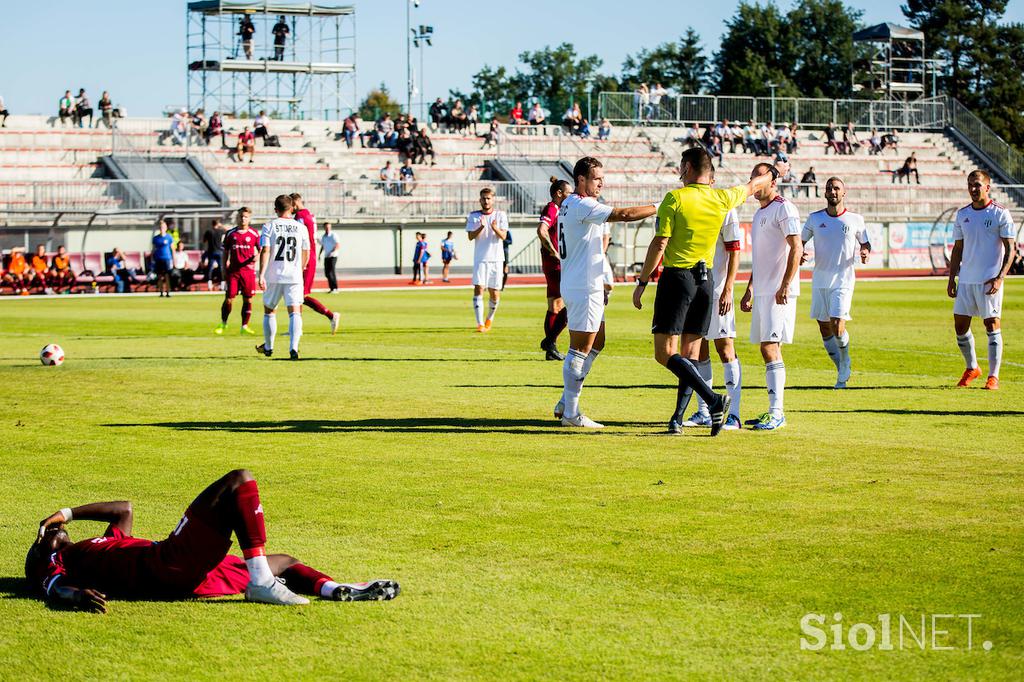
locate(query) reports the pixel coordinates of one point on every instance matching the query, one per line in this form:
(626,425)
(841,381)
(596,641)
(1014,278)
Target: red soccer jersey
(112,564)
(306,218)
(549,217)
(241,246)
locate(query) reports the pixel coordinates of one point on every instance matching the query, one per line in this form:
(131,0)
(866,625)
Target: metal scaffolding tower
(240,59)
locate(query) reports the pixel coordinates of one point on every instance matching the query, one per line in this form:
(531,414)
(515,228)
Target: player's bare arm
(803,254)
(473,234)
(118,514)
(631,213)
(792,268)
(766,178)
(725,300)
(264,260)
(955,257)
(997,281)
(655,252)
(545,240)
(498,230)
(747,302)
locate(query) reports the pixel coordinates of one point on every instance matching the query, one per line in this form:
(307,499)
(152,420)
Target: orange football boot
(969,376)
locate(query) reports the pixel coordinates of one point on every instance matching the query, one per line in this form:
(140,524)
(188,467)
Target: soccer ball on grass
(51,355)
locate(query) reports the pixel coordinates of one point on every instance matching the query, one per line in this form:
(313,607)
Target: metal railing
(998,151)
(922,114)
(91,195)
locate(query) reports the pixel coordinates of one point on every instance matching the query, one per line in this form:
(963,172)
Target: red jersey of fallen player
(241,247)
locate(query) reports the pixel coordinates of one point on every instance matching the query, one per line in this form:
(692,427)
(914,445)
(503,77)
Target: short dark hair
(699,160)
(978,173)
(766,167)
(584,166)
(487,191)
(295,196)
(283,203)
(557,185)
(836,178)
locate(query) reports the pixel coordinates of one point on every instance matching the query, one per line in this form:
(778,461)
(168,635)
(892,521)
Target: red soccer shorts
(553,278)
(182,562)
(243,281)
(228,577)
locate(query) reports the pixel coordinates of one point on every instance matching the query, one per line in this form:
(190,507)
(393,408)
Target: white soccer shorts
(722,326)
(585,310)
(771,322)
(827,303)
(972,300)
(291,292)
(488,274)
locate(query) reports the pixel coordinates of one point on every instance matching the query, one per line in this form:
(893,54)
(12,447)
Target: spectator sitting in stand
(891,140)
(723,133)
(438,114)
(472,118)
(808,180)
(536,117)
(179,127)
(66,109)
(214,128)
(458,117)
(830,139)
(584,130)
(83,108)
(106,111)
(350,129)
(424,148)
(736,130)
(875,142)
(573,119)
(711,144)
(3,112)
(387,179)
(492,134)
(407,177)
(750,138)
(60,271)
(39,269)
(198,125)
(850,141)
(246,143)
(783,138)
(692,136)
(768,140)
(385,129)
(604,130)
(182,276)
(260,126)
(909,166)
(405,145)
(515,117)
(794,143)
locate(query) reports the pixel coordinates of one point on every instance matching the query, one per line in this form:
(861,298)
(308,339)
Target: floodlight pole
(772,86)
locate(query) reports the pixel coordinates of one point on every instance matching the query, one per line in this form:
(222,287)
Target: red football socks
(305,580)
(225,310)
(251,530)
(246,311)
(318,307)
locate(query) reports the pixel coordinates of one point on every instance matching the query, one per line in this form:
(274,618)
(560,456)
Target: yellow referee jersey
(691,217)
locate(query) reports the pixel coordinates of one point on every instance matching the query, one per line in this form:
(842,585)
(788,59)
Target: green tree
(680,66)
(556,75)
(377,103)
(756,50)
(820,36)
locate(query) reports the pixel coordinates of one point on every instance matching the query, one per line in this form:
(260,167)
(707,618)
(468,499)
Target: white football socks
(775,380)
(843,342)
(328,588)
(589,361)
(491,310)
(831,344)
(269,330)
(733,384)
(478,309)
(259,571)
(572,379)
(995,352)
(966,344)
(706,373)
(295,330)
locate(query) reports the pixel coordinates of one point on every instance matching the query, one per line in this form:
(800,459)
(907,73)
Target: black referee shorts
(683,305)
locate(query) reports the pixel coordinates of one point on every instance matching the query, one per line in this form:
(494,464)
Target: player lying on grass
(193,561)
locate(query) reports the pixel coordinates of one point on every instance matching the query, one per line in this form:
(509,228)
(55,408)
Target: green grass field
(410,447)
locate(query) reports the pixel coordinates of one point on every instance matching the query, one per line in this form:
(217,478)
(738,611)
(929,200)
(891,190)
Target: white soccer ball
(51,355)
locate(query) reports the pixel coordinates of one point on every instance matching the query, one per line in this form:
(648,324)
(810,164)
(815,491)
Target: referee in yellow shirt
(688,223)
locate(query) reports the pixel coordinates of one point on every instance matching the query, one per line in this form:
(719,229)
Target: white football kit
(982,231)
(771,225)
(580,229)
(488,251)
(729,239)
(287,239)
(837,241)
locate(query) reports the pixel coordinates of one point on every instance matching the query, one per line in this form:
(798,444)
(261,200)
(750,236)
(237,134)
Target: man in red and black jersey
(555,318)
(193,561)
(241,245)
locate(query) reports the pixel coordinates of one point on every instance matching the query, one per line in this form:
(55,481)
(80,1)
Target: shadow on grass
(915,412)
(206,358)
(15,587)
(405,425)
(638,387)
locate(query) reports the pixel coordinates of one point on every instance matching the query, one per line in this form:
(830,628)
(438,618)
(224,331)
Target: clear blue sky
(136,48)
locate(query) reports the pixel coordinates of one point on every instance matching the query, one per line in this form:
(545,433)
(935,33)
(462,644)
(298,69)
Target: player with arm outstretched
(192,562)
(284,254)
(304,216)
(241,244)
(581,247)
(982,254)
(773,288)
(487,228)
(839,236)
(555,318)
